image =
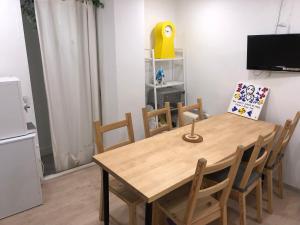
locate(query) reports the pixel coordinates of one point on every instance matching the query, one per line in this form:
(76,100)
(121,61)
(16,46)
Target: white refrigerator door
(12,113)
(20,186)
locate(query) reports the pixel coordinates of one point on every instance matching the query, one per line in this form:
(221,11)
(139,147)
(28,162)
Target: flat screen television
(277,52)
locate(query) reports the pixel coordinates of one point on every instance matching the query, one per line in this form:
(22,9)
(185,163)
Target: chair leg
(269,176)
(132,214)
(242,208)
(159,218)
(259,201)
(156,214)
(162,218)
(223,220)
(280,179)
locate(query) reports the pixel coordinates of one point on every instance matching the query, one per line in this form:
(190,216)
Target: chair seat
(248,152)
(123,192)
(175,204)
(222,175)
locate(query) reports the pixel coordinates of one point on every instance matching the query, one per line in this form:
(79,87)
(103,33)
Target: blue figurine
(160,75)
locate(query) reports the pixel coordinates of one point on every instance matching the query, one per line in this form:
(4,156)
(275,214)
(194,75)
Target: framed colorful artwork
(248,100)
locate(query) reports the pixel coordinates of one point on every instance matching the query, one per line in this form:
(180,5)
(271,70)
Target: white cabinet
(12,113)
(20,186)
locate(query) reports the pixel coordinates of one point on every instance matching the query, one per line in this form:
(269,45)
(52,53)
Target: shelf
(168,84)
(165,60)
(174,77)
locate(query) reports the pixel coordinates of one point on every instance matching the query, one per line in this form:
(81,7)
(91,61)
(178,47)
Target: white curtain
(68,40)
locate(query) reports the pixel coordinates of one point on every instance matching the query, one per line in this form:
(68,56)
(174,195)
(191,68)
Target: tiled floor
(73,200)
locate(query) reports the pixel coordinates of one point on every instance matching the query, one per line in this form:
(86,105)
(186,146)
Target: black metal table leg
(148,214)
(105,196)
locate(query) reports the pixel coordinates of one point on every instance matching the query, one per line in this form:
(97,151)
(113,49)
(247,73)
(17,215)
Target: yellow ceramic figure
(164,40)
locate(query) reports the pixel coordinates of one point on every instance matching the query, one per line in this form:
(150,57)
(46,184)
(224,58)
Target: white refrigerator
(20,186)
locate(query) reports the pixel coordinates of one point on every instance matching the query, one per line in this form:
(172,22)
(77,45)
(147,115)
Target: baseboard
(287,186)
(292,188)
(53,176)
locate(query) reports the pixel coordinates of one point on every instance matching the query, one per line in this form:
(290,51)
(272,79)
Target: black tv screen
(279,52)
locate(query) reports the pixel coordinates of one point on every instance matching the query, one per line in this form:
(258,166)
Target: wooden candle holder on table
(192,137)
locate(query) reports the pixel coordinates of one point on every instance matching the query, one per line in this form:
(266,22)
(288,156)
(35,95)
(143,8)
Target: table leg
(105,196)
(148,214)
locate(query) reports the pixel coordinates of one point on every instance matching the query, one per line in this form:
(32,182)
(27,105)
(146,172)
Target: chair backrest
(283,140)
(257,161)
(294,124)
(155,113)
(182,109)
(224,187)
(100,130)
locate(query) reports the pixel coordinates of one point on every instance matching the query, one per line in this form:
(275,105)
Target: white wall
(129,27)
(107,52)
(122,55)
(216,36)
(13,58)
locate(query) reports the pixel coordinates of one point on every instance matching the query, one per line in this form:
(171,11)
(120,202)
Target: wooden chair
(182,109)
(100,130)
(160,128)
(116,187)
(275,160)
(249,176)
(195,203)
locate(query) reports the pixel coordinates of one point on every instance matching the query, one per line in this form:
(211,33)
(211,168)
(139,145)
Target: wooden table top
(158,165)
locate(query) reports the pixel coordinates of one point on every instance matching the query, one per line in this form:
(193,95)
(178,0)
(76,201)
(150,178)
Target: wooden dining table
(155,166)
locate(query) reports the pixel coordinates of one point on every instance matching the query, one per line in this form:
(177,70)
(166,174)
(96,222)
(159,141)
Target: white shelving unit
(174,73)
(167,84)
